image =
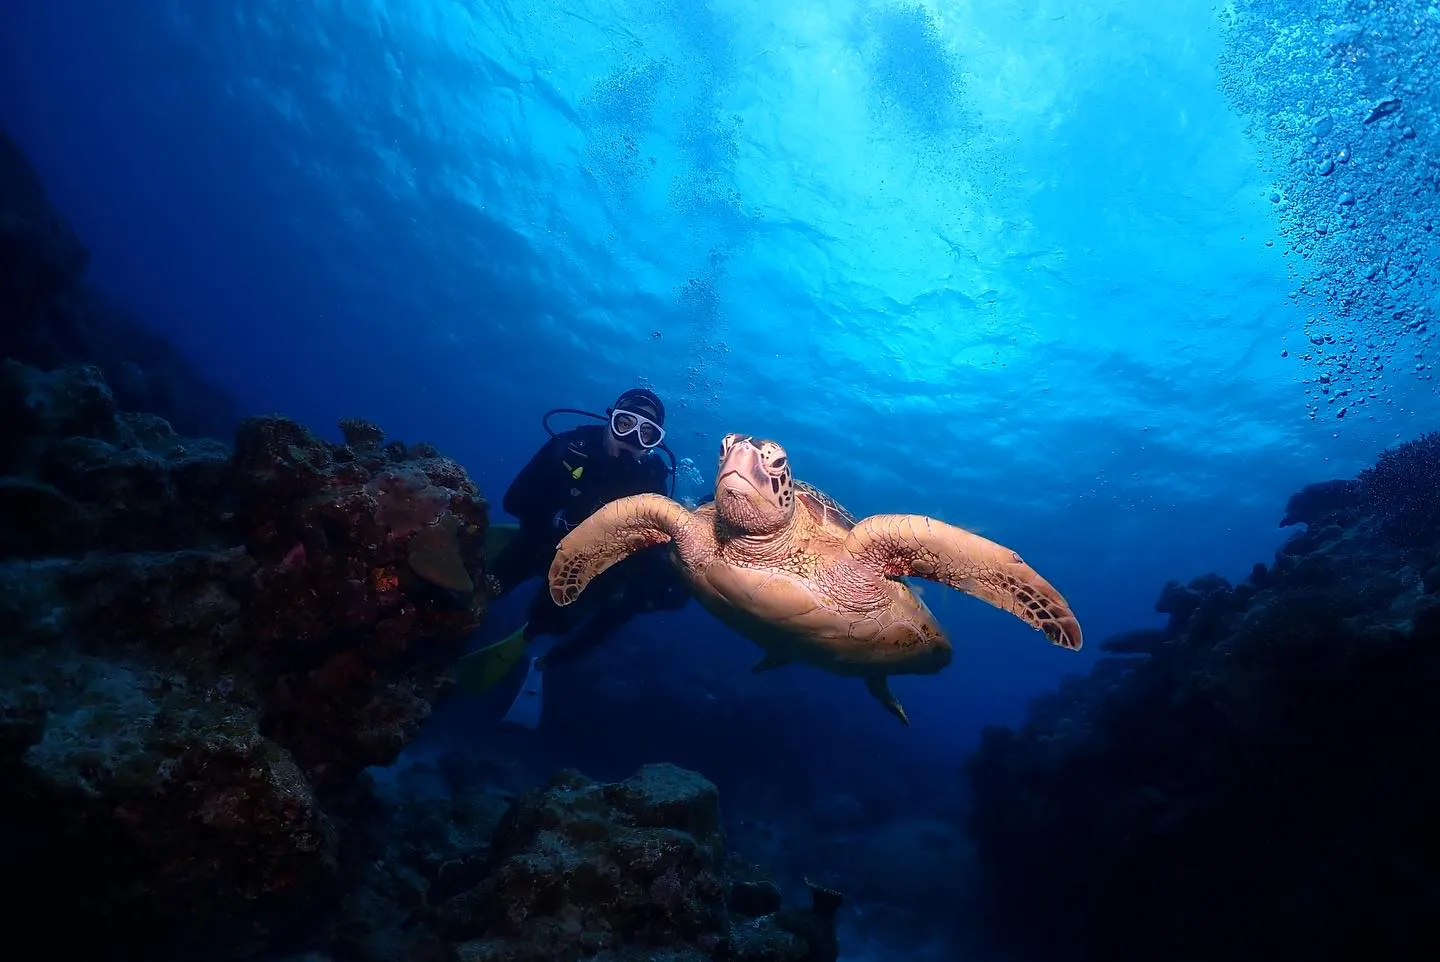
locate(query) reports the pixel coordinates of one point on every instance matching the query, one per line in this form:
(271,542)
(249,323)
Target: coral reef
(203,650)
(577,869)
(1251,781)
(1403,488)
(198,648)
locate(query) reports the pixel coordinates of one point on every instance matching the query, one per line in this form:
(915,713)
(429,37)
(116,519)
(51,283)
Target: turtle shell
(824,509)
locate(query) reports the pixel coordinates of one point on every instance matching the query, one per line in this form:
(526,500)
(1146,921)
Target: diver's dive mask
(625,424)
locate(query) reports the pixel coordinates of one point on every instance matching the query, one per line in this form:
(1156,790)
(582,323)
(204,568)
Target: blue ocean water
(1105,282)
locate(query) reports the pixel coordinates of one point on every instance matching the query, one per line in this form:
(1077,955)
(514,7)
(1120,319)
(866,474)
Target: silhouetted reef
(50,316)
(1252,781)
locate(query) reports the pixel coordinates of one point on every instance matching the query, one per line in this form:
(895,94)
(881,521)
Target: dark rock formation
(198,648)
(42,258)
(50,317)
(1142,641)
(623,872)
(78,475)
(1255,784)
(1319,502)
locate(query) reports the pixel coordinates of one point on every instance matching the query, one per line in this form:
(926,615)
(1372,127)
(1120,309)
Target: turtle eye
(779,462)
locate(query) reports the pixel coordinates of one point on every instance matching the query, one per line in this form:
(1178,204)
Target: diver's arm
(536,493)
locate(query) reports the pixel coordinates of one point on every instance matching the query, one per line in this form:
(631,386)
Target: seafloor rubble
(204,645)
(1252,781)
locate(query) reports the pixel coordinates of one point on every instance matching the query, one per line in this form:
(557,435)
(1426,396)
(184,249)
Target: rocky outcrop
(578,870)
(199,647)
(1250,782)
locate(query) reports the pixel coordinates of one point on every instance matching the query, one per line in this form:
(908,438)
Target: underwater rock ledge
(1252,781)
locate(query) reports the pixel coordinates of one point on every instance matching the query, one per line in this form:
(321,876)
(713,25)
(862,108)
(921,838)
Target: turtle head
(754,490)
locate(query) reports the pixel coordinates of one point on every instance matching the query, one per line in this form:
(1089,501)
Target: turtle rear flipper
(910,545)
(879,686)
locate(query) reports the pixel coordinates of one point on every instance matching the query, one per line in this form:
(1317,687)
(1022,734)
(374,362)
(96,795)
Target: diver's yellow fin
(497,538)
(484,668)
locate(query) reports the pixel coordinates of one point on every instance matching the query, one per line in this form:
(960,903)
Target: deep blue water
(1095,279)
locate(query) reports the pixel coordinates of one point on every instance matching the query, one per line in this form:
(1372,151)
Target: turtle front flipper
(911,545)
(612,534)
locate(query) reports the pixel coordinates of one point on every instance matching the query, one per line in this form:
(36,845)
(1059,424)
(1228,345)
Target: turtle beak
(743,464)
(742,483)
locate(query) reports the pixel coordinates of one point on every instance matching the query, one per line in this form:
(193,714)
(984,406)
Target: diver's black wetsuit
(566,481)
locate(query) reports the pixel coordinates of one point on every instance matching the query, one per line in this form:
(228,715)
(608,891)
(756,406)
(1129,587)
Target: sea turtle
(787,567)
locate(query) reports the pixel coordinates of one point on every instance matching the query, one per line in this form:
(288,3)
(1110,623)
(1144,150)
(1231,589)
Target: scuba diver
(574,474)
